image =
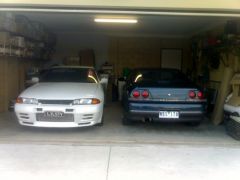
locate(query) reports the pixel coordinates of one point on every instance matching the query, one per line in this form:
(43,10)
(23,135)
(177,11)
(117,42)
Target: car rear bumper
(78,116)
(187,112)
(191,116)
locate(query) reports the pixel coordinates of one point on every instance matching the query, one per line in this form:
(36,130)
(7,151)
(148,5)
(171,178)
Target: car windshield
(81,75)
(159,76)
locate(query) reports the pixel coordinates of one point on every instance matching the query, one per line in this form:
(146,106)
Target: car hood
(60,91)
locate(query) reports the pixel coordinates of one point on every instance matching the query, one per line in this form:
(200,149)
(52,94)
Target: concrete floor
(112,152)
(114,132)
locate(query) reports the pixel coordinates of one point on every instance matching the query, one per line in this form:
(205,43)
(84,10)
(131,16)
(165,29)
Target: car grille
(65,118)
(64,102)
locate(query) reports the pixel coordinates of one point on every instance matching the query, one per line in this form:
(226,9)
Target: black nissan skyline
(164,95)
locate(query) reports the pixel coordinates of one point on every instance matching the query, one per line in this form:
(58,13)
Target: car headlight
(21,100)
(86,101)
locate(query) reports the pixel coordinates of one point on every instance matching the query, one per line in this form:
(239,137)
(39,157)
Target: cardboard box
(87,58)
(18,41)
(4,38)
(71,61)
(235,82)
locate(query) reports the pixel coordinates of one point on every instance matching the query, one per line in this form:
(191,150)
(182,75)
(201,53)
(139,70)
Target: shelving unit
(21,37)
(23,44)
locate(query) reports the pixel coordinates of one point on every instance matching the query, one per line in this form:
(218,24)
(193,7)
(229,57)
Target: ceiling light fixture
(104,20)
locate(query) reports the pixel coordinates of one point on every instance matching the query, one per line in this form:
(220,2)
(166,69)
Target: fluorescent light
(132,21)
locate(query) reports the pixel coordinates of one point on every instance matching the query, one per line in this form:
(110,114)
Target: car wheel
(102,122)
(126,121)
(232,128)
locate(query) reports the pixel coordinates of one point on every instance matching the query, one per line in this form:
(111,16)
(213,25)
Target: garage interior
(203,47)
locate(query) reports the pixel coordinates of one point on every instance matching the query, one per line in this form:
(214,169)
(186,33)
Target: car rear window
(81,75)
(159,76)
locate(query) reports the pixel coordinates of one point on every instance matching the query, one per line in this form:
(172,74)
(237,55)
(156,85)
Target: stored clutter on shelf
(24,38)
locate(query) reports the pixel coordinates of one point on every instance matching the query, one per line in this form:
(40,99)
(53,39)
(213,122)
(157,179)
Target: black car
(165,95)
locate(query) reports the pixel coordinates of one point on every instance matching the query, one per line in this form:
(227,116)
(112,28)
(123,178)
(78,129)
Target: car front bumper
(78,115)
(191,112)
(231,109)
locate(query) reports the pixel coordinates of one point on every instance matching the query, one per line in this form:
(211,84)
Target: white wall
(69,44)
(211,5)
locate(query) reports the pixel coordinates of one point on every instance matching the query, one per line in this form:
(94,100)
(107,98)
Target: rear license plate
(169,114)
(56,114)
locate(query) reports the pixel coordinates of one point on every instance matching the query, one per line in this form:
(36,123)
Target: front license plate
(56,114)
(169,114)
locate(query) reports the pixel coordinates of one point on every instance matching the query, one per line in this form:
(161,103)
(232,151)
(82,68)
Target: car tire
(232,128)
(126,121)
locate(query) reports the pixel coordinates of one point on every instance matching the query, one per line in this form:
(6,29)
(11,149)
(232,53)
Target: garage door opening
(200,46)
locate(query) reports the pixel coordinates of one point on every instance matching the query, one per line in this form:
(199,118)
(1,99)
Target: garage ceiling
(181,26)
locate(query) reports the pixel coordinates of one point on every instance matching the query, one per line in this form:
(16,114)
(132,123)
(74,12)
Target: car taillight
(192,94)
(136,94)
(200,95)
(145,94)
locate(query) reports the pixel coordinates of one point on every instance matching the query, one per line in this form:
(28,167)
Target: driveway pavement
(128,162)
(115,152)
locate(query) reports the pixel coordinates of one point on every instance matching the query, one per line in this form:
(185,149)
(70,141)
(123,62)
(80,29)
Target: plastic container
(232,119)
(121,83)
(232,125)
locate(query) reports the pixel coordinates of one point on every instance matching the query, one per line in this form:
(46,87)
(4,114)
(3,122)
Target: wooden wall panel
(144,52)
(3,85)
(23,67)
(21,73)
(12,79)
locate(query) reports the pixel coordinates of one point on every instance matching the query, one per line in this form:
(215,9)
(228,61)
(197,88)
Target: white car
(232,118)
(63,96)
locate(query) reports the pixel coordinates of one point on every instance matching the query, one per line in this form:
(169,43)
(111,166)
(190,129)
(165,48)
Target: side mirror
(35,79)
